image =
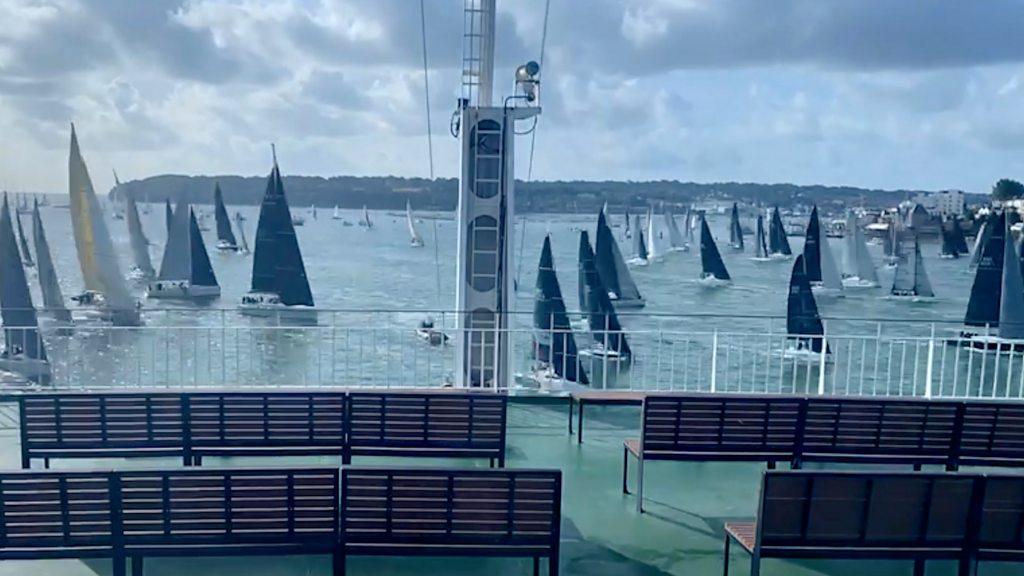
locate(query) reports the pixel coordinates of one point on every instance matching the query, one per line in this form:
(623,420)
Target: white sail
(857,262)
(830,279)
(101,271)
(243,244)
(653,249)
(416,239)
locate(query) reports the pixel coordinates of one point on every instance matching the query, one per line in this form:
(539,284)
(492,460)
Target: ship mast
(486,193)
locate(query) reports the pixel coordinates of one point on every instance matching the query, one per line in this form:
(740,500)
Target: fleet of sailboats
(49,284)
(615,275)
(24,352)
(609,342)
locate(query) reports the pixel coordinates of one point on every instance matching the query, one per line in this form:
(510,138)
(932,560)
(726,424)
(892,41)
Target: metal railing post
(821,360)
(928,369)
(714,360)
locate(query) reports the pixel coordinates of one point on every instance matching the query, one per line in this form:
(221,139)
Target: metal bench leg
(918,567)
(501,460)
(771,464)
(119,566)
(490,462)
(755,565)
(338,564)
(553,565)
(536,566)
(917,467)
(136,565)
(640,485)
(625,470)
(46,463)
(197,460)
(725,557)
(579,424)
(570,415)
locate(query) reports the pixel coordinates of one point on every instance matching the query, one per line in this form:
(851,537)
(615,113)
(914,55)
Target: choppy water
(354,269)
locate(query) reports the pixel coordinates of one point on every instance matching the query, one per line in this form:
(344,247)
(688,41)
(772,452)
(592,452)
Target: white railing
(670,353)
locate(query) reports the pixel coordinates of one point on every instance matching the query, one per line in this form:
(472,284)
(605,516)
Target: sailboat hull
(416,243)
(621,304)
(267,305)
(544,379)
(988,343)
(823,292)
(856,282)
(226,246)
(180,290)
(638,262)
(712,281)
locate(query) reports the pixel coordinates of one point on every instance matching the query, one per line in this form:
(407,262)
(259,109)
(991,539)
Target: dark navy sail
(277,265)
(735,229)
(225,236)
(761,244)
(49,285)
(168,214)
(21,326)
(26,254)
(958,237)
(585,261)
(554,343)
(777,241)
(949,248)
(812,248)
(803,324)
(601,318)
(613,270)
(983,307)
(710,259)
(202,271)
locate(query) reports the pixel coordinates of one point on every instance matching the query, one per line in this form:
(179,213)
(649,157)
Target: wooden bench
(897,515)
(265,424)
(714,428)
(877,431)
(102,426)
(453,425)
(422,512)
(991,434)
(250,512)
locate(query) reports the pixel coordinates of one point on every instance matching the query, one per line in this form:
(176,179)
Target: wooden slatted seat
(197,512)
(1001,523)
(424,512)
(992,435)
(701,427)
(882,431)
(846,515)
(101,426)
(450,425)
(262,424)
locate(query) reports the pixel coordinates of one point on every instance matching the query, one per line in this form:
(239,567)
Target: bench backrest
(428,421)
(865,510)
(993,434)
(451,508)
(107,421)
(278,419)
(226,507)
(711,424)
(911,431)
(58,510)
(1001,524)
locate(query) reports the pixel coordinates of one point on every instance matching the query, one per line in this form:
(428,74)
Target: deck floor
(680,533)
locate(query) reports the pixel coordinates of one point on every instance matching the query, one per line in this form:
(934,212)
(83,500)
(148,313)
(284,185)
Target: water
(357,271)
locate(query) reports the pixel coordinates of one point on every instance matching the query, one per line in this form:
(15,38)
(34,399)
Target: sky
(920,94)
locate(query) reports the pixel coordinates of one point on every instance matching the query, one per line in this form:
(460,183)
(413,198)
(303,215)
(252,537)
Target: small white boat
(298,220)
(336,215)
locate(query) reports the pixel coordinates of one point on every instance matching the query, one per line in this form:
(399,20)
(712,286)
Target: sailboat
(858,268)
(805,334)
(627,233)
(735,229)
(22,207)
(614,273)
(958,237)
(554,346)
(713,272)
(366,222)
(49,285)
(185,271)
(980,241)
(778,243)
(911,280)
(24,352)
(312,210)
(677,242)
(949,248)
(142,267)
(609,342)
(105,288)
(279,284)
(893,244)
(243,244)
(225,237)
(416,241)
(639,257)
(26,254)
(822,271)
(337,213)
(997,295)
(653,240)
(760,243)
(168,213)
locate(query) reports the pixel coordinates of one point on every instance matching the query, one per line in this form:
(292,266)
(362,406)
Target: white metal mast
(485,214)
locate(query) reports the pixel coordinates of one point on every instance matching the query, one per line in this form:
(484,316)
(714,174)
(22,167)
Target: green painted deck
(680,533)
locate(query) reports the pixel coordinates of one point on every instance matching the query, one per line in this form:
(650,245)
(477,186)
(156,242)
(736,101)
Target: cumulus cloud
(866,92)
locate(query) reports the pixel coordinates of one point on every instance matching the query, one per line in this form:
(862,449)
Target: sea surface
(356,271)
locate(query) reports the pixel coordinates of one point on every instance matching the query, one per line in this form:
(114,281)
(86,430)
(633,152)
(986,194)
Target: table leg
(579,424)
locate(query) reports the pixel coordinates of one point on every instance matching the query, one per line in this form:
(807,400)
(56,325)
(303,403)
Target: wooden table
(602,397)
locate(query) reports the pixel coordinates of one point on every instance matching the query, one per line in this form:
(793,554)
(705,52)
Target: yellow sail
(81,216)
